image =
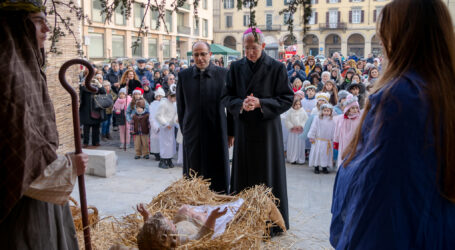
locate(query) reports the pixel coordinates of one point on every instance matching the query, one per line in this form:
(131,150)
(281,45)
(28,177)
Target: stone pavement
(140,180)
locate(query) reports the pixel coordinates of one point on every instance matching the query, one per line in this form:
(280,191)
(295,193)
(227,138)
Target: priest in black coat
(203,119)
(257,92)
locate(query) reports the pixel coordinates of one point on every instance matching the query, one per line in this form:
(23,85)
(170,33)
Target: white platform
(102,163)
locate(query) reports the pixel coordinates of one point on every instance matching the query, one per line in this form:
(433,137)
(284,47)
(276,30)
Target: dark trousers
(95,134)
(105,126)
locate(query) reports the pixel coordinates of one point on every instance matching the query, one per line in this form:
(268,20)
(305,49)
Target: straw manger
(247,230)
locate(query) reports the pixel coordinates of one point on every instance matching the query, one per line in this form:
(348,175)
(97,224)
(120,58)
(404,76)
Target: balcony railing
(186,6)
(275,27)
(184,30)
(333,26)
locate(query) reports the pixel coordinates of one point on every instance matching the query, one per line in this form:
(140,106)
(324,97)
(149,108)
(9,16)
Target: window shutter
(315,18)
(327,17)
(338,17)
(316,1)
(350,16)
(363,15)
(328,1)
(374,15)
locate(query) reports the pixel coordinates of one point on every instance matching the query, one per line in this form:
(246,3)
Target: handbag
(102,101)
(120,118)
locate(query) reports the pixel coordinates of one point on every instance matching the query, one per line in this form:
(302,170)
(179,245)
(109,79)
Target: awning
(218,49)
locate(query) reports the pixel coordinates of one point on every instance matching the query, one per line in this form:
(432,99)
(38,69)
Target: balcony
(276,27)
(185,6)
(333,26)
(184,30)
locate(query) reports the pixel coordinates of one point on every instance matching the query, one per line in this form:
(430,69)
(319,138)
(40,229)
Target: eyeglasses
(202,54)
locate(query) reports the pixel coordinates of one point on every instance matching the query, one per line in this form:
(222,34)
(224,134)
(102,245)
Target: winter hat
(352,85)
(323,96)
(299,94)
(122,90)
(305,84)
(350,102)
(160,92)
(326,106)
(172,90)
(145,82)
(342,94)
(310,87)
(138,91)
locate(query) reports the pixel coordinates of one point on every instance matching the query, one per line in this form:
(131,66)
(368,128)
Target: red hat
(158,86)
(138,90)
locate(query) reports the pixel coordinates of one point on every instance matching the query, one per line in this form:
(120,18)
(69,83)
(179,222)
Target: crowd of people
(329,97)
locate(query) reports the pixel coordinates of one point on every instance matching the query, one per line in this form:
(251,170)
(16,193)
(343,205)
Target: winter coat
(87,104)
(143,72)
(149,96)
(132,84)
(344,131)
(142,121)
(113,76)
(130,111)
(300,74)
(295,118)
(114,98)
(166,113)
(122,104)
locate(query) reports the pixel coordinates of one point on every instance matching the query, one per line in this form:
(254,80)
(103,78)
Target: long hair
(421,36)
(334,94)
(125,76)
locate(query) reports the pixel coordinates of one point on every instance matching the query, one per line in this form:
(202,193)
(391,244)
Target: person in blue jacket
(141,71)
(297,72)
(396,186)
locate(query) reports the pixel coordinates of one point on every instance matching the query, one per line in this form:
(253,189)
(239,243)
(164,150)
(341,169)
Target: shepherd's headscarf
(28,136)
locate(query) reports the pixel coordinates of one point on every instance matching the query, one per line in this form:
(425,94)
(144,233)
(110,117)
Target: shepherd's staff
(77,135)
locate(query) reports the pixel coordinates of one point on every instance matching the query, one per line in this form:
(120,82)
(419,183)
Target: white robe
(165,116)
(154,128)
(296,143)
(322,131)
(308,105)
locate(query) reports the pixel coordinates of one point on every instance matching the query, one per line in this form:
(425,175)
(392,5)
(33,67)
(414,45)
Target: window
(228,4)
(376,13)
(247,4)
(169,20)
(268,21)
(196,26)
(96,12)
(166,48)
(356,16)
(286,17)
(228,21)
(287,1)
(246,20)
(180,19)
(313,17)
(137,51)
(120,18)
(153,48)
(204,4)
(205,31)
(269,3)
(96,46)
(153,19)
(138,14)
(356,1)
(336,1)
(118,46)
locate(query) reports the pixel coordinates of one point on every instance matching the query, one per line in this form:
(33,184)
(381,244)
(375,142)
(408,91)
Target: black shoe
(137,157)
(146,157)
(163,164)
(108,136)
(316,170)
(115,128)
(325,170)
(169,163)
(157,157)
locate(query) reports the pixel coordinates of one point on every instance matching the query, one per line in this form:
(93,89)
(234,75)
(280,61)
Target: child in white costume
(296,118)
(166,116)
(321,136)
(154,125)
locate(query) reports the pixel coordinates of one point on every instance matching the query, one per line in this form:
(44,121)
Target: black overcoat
(86,104)
(258,148)
(204,125)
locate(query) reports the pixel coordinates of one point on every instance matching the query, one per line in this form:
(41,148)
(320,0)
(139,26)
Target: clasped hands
(251,103)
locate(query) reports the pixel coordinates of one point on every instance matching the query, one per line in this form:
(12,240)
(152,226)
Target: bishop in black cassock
(258,148)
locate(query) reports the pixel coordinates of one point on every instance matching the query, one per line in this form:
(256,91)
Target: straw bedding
(246,231)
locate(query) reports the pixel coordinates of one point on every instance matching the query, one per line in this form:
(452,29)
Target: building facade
(107,40)
(346,26)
